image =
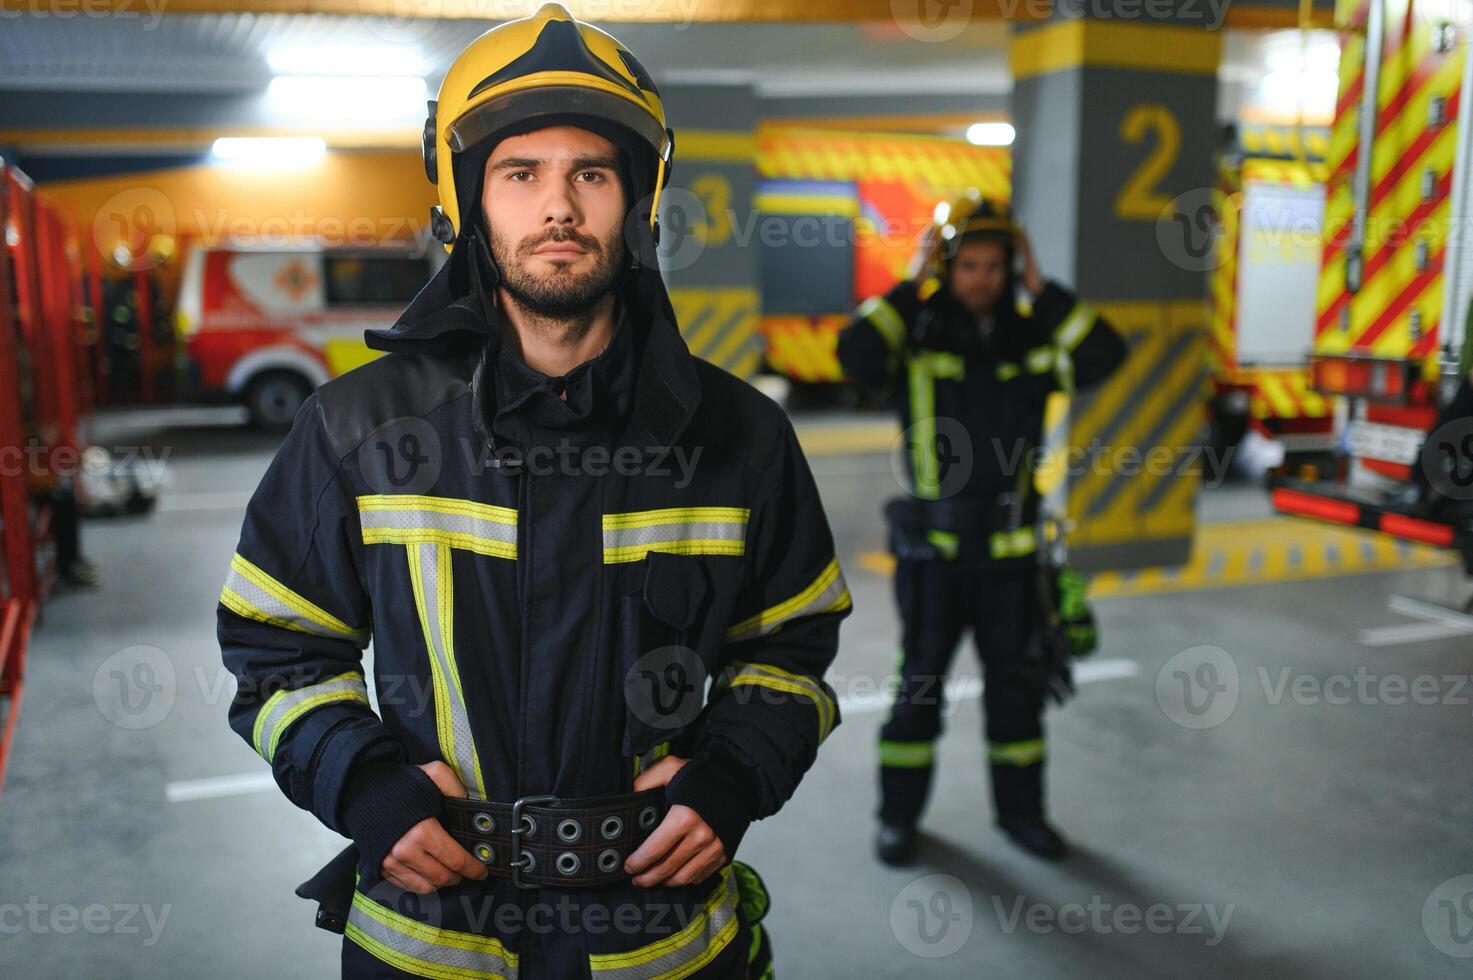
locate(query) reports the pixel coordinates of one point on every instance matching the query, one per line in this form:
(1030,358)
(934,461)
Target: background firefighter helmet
(550,69)
(955,221)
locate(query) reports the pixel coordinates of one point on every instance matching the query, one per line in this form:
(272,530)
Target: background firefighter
(970,373)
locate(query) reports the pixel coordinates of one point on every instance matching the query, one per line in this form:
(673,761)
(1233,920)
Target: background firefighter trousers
(939,602)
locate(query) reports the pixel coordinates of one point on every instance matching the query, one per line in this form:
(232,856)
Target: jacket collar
(666,392)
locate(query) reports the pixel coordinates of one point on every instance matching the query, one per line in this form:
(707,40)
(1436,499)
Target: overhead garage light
(348,96)
(374,60)
(268,151)
(990,134)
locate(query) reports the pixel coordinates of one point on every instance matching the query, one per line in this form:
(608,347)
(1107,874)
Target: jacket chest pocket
(658,625)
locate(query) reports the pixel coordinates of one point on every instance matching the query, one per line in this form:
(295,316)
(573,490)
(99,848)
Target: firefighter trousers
(939,602)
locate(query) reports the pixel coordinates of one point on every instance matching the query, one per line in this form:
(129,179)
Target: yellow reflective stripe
(1011,544)
(251,593)
(946,542)
(770,676)
(1041,359)
(675,530)
(882,315)
(907,755)
(283,708)
(1016,753)
(927,288)
(424,950)
(412,519)
(1075,326)
(649,758)
(1007,371)
(827,593)
(431,578)
(923,430)
(442,505)
(683,953)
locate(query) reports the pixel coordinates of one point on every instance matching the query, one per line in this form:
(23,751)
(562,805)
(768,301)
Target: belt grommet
(568,863)
(530,822)
(569,830)
(647,818)
(608,859)
(611,827)
(483,822)
(485,853)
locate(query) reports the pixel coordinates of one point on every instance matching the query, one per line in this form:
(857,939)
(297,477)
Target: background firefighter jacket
(547,586)
(971,398)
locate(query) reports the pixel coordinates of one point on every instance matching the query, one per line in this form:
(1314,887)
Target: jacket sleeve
(872,346)
(293,620)
(770,707)
(1076,347)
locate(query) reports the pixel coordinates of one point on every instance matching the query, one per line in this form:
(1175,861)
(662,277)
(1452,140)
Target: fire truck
(1396,271)
(1271,204)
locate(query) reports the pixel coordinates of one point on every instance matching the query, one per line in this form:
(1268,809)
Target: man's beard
(561,294)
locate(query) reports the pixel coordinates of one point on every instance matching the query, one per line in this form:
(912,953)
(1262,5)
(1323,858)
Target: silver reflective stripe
(283,708)
(827,593)
(251,593)
(886,319)
(1075,326)
(434,600)
(423,950)
(677,530)
(417,519)
(684,953)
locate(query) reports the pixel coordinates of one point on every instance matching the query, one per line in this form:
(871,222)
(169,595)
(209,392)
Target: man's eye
(519,174)
(592,173)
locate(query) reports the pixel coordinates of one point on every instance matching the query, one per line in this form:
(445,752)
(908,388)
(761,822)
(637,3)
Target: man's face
(979,272)
(555,207)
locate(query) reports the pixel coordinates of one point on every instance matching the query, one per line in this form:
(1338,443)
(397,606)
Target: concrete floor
(1295,837)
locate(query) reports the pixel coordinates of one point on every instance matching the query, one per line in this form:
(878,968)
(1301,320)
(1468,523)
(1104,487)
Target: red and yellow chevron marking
(1263,140)
(1407,149)
(1283,393)
(798,153)
(804,348)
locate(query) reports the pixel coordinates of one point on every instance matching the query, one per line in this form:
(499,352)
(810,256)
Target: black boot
(1034,835)
(895,844)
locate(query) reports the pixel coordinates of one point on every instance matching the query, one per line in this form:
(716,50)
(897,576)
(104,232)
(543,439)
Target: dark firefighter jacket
(971,398)
(515,560)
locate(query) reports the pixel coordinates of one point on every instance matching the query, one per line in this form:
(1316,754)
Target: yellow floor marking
(1254,552)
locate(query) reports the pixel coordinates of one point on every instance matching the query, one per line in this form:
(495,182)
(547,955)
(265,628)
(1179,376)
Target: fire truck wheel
(273,398)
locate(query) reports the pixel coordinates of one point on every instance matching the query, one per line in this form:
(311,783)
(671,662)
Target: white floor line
(1430,612)
(1388,636)
(216,787)
(959,688)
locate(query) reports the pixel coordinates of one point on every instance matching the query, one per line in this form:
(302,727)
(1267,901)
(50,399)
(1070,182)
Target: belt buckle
(517,832)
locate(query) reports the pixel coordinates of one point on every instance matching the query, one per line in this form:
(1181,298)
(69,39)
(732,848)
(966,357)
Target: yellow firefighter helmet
(952,221)
(546,65)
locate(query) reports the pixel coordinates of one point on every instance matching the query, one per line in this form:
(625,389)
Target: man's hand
(683,850)
(427,857)
(1032,280)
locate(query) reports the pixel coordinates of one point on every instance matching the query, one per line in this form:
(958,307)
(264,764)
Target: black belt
(542,840)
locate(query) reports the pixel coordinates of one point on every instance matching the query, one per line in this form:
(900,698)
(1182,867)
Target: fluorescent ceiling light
(373,60)
(268,151)
(990,134)
(348,97)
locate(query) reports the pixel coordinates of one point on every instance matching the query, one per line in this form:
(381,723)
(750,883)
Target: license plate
(1387,443)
